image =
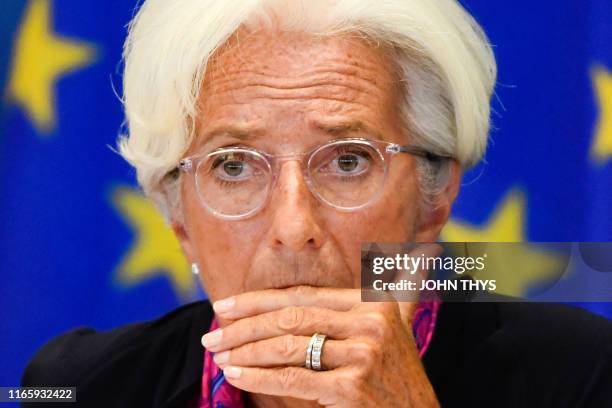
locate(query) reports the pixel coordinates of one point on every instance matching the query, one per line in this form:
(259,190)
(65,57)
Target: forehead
(265,80)
(292,54)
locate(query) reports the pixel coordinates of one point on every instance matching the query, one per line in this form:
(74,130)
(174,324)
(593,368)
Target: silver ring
(317,349)
(309,352)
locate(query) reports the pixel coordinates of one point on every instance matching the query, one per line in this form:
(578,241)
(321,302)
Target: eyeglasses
(347,174)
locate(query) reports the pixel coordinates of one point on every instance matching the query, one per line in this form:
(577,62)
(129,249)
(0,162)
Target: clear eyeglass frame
(384,150)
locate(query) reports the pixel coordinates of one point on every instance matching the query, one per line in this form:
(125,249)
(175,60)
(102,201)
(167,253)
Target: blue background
(63,238)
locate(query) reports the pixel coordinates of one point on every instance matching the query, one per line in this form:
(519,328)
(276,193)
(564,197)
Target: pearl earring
(195,269)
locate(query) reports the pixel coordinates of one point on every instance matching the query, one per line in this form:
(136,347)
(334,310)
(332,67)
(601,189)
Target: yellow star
(506,225)
(601,150)
(40,58)
(156,251)
(516,267)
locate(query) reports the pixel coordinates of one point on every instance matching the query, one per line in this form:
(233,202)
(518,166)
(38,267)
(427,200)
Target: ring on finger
(314,351)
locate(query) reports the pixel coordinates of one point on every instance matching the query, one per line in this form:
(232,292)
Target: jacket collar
(188,384)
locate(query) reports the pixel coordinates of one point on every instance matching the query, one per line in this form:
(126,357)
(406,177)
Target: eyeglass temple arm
(184,165)
(417,151)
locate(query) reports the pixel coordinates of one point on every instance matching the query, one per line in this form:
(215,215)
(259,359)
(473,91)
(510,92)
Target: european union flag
(81,246)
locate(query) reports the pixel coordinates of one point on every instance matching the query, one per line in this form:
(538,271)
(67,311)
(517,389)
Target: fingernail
(221,358)
(224,305)
(213,338)
(232,372)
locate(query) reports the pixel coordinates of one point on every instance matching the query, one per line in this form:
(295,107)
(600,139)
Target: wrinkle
(289,86)
(362,73)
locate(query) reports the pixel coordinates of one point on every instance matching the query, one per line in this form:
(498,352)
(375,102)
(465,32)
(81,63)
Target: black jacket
(481,355)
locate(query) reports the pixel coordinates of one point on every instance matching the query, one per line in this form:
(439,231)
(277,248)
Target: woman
(276,137)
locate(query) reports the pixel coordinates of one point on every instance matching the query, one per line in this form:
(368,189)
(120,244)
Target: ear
(432,220)
(178,221)
(183,236)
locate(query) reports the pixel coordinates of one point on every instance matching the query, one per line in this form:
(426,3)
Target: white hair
(443,57)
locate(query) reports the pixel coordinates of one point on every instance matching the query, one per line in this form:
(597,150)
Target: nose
(295,224)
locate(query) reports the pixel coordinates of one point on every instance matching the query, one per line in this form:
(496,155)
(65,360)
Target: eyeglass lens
(235,181)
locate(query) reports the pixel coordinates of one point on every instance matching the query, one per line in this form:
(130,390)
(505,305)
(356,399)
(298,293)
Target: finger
(289,350)
(293,382)
(407,311)
(296,320)
(262,301)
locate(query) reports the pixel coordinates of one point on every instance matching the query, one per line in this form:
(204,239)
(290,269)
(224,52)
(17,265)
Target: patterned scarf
(218,393)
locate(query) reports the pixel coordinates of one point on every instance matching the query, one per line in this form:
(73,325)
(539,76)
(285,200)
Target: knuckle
(246,350)
(385,307)
(287,378)
(288,347)
(366,354)
(302,291)
(350,385)
(291,318)
(376,326)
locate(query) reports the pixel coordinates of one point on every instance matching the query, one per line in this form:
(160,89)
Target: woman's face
(286,94)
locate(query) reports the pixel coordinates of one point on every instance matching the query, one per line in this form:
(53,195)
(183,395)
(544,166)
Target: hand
(370,354)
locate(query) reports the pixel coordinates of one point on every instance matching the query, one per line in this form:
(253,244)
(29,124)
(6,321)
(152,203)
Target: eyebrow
(340,129)
(229,131)
(347,128)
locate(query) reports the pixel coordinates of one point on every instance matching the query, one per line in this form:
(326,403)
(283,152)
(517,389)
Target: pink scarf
(218,393)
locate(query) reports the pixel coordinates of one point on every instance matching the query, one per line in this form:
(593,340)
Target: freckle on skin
(284,83)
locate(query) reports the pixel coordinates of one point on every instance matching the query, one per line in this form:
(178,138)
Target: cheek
(393,217)
(222,248)
(390,219)
(225,250)
(401,214)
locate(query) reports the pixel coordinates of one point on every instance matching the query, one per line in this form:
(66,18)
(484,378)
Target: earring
(195,269)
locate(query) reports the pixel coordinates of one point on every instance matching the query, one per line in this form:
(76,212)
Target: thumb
(407,310)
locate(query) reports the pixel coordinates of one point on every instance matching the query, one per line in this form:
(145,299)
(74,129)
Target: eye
(232,167)
(350,161)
